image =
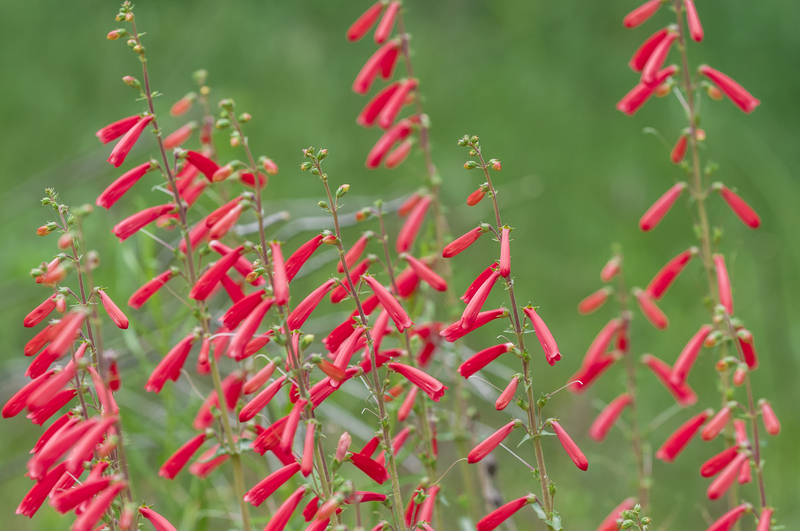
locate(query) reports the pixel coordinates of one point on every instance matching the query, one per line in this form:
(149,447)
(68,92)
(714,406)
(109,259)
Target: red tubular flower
(544,336)
(593,301)
(384,29)
(569,445)
(241,309)
(225,223)
(308,450)
(407,405)
(426,273)
(682,393)
(117,129)
(40,416)
(610,522)
(399,154)
(716,424)
(158,521)
(82,451)
(118,188)
(505,253)
(261,400)
(425,513)
(124,146)
(742,210)
(608,417)
(354,253)
(287,438)
(370,467)
(737,94)
(35,497)
(143,294)
(713,466)
(344,289)
(656,213)
(372,67)
(723,284)
(679,151)
(178,460)
(197,234)
(430,385)
(131,225)
(346,350)
(650,72)
(688,356)
(770,419)
(369,114)
(461,243)
(641,13)
(390,304)
(169,368)
(392,108)
(281,517)
(67,500)
(44,392)
(498,516)
(267,486)
(643,53)
(39,340)
(676,442)
(507,395)
(638,95)
(88,518)
(231,390)
(764,521)
(611,269)
(304,309)
(745,339)
(476,197)
(206,166)
(745,474)
(590,372)
(183,105)
(601,343)
(693,21)
(180,135)
(408,233)
(491,442)
(456,330)
(470,314)
(280,281)
(363,24)
(64,335)
(483,358)
(38,314)
(652,312)
(726,478)
(206,283)
(396,133)
(17,402)
(113,310)
(667,275)
(238,348)
(301,256)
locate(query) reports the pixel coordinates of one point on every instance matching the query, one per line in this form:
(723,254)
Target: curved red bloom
(344,289)
(483,358)
(638,95)
(40,313)
(462,242)
(739,206)
(643,53)
(470,313)
(143,294)
(723,283)
(354,253)
(593,301)
(68,500)
(169,368)
(688,356)
(681,437)
(206,166)
(117,129)
(569,445)
(399,154)
(737,94)
(301,256)
(118,188)
(90,516)
(716,424)
(113,310)
(610,522)
(456,330)
(346,350)
(289,430)
(370,112)
(281,517)
(693,21)
(491,442)
(650,72)
(408,233)
(126,143)
(679,150)
(267,486)
(396,133)
(498,516)
(158,521)
(178,460)
(713,466)
(667,275)
(376,471)
(396,102)
(425,273)
(476,197)
(650,310)
(601,343)
(241,309)
(280,281)
(770,419)
(507,395)
(749,353)
(390,304)
(608,417)
(407,405)
(723,482)
(362,25)
(642,13)
(764,520)
(544,336)
(372,67)
(18,400)
(656,213)
(303,310)
(505,253)
(682,393)
(179,136)
(206,283)
(430,385)
(239,345)
(225,222)
(131,225)
(611,269)
(384,29)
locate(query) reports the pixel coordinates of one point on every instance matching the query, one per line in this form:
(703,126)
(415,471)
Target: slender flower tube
(476,197)
(667,275)
(679,150)
(652,312)
(126,143)
(544,336)
(641,14)
(726,478)
(498,516)
(267,486)
(716,424)
(591,372)
(430,385)
(88,518)
(461,243)
(118,188)
(507,395)
(180,135)
(113,310)
(739,206)
(395,104)
(346,350)
(505,253)
(770,419)
(354,253)
(67,500)
(601,343)
(206,166)
(408,233)
(225,223)
(39,340)
(723,284)
(40,313)
(491,442)
(407,405)
(483,358)
(206,283)
(426,273)
(656,213)
(396,133)
(241,309)
(470,314)
(569,445)
(44,392)
(372,67)
(737,94)
(18,400)
(117,129)
(178,460)
(370,112)
(61,442)
(610,522)
(376,471)
(693,20)
(611,269)
(159,522)
(681,437)
(593,302)
(643,53)
(650,72)
(764,520)
(408,205)
(456,331)
(131,225)
(386,24)
(40,416)
(35,497)
(291,425)
(365,22)
(238,348)
(169,368)
(390,304)
(281,517)
(745,339)
(143,294)
(638,95)
(716,464)
(280,281)
(301,256)
(344,289)
(682,393)
(608,417)
(688,356)
(304,309)
(307,465)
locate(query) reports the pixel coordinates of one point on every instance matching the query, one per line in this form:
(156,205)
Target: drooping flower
(642,13)
(206,283)
(483,358)
(716,424)
(593,301)
(372,67)
(486,447)
(131,225)
(386,24)
(303,310)
(90,516)
(667,275)
(261,400)
(301,256)
(461,243)
(764,520)
(643,53)
(113,310)
(477,301)
(638,95)
(745,339)
(117,129)
(656,213)
(158,521)
(569,445)
(183,105)
(476,197)
(126,143)
(396,102)
(611,269)
(18,400)
(430,385)
(610,522)
(505,253)
(267,486)
(456,331)
(681,437)
(408,233)
(180,135)
(544,336)
(739,206)
(376,471)
(770,419)
(507,395)
(40,313)
(723,284)
(590,372)
(362,25)
(498,516)
(394,134)
(67,500)
(601,342)
(281,517)
(390,304)
(650,72)
(175,463)
(650,310)
(723,482)
(118,188)
(693,21)
(425,273)
(713,466)
(682,393)
(369,114)
(206,166)
(169,368)
(289,430)
(143,294)
(737,94)
(688,356)
(679,150)
(280,281)
(608,417)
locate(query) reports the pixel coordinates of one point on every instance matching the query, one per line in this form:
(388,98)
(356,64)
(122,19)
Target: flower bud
(116,34)
(470,165)
(269,166)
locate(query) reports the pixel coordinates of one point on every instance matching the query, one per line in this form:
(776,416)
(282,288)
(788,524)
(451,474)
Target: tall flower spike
(569,445)
(491,442)
(544,336)
(608,417)
(737,94)
(131,225)
(681,437)
(408,233)
(433,387)
(693,21)
(739,206)
(364,23)
(125,144)
(498,516)
(642,13)
(656,213)
(723,283)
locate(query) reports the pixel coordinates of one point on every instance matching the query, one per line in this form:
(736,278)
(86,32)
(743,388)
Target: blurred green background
(538,82)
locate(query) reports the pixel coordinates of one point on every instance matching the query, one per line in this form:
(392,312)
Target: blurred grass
(538,82)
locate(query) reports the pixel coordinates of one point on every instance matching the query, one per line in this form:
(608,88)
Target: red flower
(370,467)
(726,478)
(17,402)
(363,24)
(589,372)
(113,310)
(667,275)
(44,392)
(764,521)
(386,24)
(643,53)
(354,253)
(117,189)
(89,517)
(687,357)
(38,314)
(180,135)
(225,223)
(610,522)
(301,255)
(206,166)
(656,213)
(652,312)
(178,460)
(370,70)
(483,358)
(569,445)
(35,497)
(346,350)
(131,225)
(206,283)
(344,289)
(476,197)
(716,424)
(713,466)
(408,233)
(304,309)
(650,72)
(593,301)
(601,342)
(369,114)
(608,417)
(477,301)
(169,368)
(308,450)
(679,151)
(505,253)
(695,28)
(261,400)
(281,517)
(682,393)
(396,133)
(676,442)
(267,486)
(67,500)
(498,516)
(158,521)
(117,129)
(396,102)
(407,405)
(460,244)
(456,330)
(638,95)
(491,442)
(737,94)
(641,13)
(289,430)
(124,146)
(430,385)
(745,339)
(182,106)
(280,281)
(426,273)
(399,154)
(544,336)
(611,269)
(390,304)
(742,210)
(723,284)
(143,294)
(771,422)
(507,395)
